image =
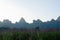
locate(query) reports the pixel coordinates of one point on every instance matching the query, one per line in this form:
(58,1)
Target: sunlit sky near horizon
(29,10)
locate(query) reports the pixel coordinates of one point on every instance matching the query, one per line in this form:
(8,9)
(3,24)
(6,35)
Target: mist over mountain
(53,24)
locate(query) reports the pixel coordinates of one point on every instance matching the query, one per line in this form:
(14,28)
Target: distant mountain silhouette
(21,24)
(53,24)
(22,20)
(58,19)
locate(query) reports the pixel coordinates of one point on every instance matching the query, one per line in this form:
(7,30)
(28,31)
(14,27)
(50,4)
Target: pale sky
(29,10)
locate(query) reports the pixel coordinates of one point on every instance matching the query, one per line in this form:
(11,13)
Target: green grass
(30,36)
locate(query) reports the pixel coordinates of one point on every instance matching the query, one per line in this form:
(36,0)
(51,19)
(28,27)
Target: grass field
(19,35)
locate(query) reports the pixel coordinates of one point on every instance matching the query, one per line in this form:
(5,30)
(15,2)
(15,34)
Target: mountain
(5,22)
(58,19)
(53,24)
(36,23)
(22,23)
(22,20)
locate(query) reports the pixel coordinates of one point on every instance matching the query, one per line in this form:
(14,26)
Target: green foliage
(30,36)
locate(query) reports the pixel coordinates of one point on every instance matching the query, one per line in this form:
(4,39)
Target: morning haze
(29,19)
(29,9)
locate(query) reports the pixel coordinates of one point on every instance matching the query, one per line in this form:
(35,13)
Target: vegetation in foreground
(30,36)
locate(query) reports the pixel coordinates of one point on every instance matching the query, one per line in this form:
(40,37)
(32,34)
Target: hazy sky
(29,9)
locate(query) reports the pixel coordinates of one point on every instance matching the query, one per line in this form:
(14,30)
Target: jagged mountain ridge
(36,23)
